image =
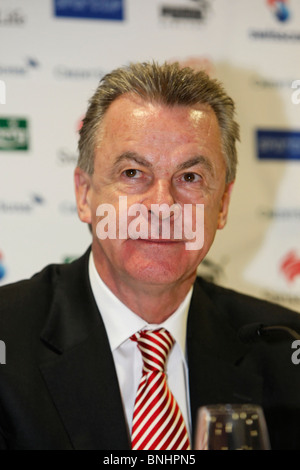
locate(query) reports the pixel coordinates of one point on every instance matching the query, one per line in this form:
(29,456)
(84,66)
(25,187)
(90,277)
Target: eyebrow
(132,156)
(198,160)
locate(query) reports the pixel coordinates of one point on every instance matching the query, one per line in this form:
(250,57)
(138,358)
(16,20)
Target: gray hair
(168,84)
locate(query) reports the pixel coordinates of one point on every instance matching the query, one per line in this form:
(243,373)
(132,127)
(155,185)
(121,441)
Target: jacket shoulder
(242,308)
(25,300)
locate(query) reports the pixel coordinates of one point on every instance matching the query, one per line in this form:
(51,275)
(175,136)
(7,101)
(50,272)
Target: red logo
(290,266)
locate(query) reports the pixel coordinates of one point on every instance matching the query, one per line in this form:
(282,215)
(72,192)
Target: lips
(159,241)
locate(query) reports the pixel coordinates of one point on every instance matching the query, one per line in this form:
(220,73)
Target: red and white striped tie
(157,420)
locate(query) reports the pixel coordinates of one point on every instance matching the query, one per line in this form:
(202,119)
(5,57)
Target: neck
(155,305)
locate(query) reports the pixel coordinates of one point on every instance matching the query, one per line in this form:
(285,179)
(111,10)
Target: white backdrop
(51,64)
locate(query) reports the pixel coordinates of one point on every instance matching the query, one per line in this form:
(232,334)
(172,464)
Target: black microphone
(255,331)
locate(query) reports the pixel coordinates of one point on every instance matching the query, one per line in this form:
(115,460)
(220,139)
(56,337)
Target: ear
(82,187)
(222,219)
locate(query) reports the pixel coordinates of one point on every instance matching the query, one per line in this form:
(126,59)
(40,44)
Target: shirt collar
(121,323)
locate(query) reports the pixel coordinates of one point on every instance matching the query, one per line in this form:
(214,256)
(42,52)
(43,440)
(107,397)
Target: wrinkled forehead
(133,111)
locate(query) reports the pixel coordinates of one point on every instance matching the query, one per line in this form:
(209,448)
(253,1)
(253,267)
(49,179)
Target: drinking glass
(231,427)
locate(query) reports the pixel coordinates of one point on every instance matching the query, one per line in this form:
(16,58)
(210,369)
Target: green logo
(14,134)
(69,258)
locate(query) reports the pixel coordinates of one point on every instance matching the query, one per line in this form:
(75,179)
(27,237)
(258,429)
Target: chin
(156,272)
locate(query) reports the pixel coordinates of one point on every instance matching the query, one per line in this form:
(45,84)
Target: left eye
(191,177)
(132,173)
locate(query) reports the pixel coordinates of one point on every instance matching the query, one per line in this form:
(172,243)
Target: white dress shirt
(121,323)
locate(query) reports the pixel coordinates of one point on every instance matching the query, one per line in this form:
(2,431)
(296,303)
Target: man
(154,138)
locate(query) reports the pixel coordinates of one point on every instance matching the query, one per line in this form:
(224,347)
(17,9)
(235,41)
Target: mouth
(159,241)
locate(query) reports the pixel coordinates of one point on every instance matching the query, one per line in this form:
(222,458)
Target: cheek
(101,198)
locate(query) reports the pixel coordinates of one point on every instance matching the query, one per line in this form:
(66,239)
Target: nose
(160,194)
(161,204)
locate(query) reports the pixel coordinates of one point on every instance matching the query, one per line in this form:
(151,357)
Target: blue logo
(90,9)
(278,145)
(280,9)
(2,268)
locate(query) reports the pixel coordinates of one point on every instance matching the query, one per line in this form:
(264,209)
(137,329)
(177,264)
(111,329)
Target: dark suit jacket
(59,389)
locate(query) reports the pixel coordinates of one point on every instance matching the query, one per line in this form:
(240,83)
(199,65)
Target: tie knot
(155,346)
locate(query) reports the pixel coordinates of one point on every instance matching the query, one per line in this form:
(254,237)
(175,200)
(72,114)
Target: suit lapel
(78,367)
(214,355)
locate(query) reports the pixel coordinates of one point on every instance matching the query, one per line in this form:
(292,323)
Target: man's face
(151,154)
